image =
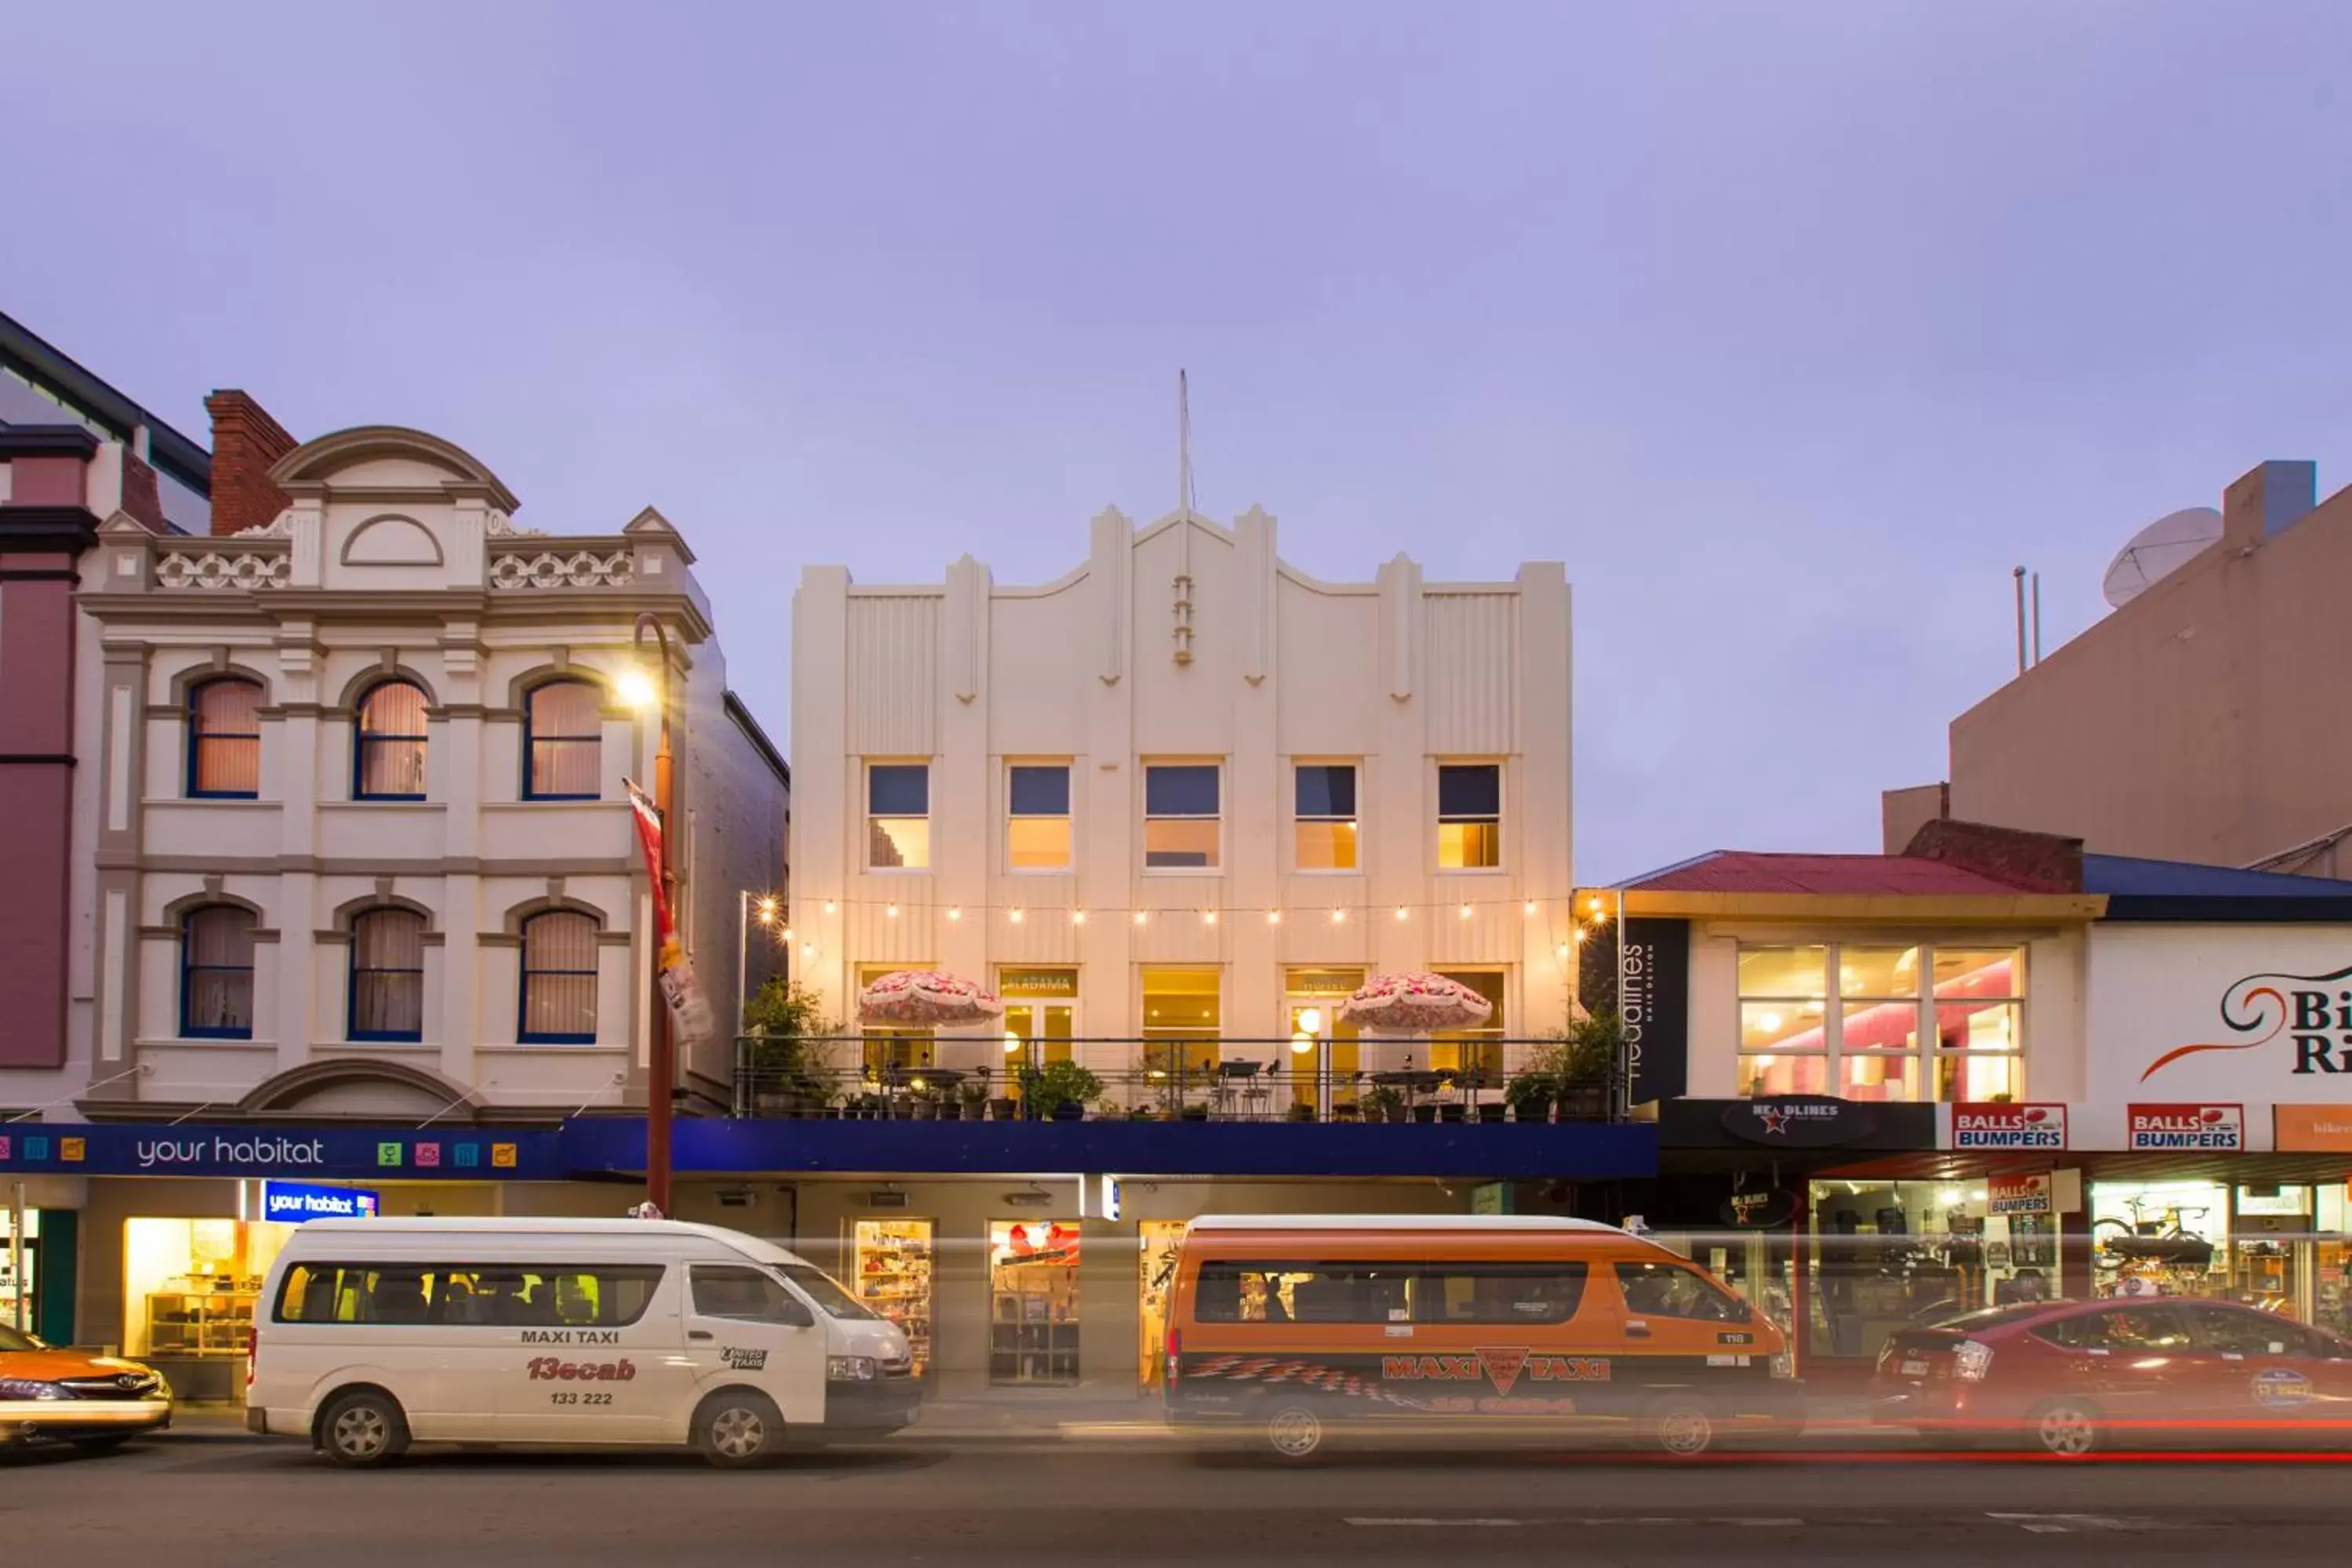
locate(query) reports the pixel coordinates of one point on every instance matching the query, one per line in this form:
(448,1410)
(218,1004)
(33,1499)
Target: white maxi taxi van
(372,1334)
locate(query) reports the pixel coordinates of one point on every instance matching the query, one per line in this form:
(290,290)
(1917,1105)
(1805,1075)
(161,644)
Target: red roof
(1851,876)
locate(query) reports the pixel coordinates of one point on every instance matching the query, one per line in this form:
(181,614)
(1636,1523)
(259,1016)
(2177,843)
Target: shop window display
(1890,1254)
(19,1267)
(891,1269)
(189,1285)
(1157,1244)
(1033,1276)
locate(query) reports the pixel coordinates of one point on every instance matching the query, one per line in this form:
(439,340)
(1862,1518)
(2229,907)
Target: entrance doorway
(1041,1009)
(1033,1279)
(1311,1000)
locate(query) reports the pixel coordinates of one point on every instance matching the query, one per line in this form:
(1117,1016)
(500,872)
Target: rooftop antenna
(1184,444)
(1183,609)
(2018,574)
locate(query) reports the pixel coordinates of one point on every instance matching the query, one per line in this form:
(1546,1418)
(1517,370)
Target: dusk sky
(1789,329)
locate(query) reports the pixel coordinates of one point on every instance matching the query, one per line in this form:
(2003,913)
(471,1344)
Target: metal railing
(952,1078)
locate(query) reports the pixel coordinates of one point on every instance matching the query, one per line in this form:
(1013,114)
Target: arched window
(388,975)
(563,741)
(216,973)
(388,748)
(559,979)
(225,740)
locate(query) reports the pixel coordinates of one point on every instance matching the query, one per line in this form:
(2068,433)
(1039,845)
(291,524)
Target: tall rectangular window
(563,741)
(216,973)
(1783,1014)
(1469,815)
(1323,813)
(387,1000)
(1476,1054)
(1037,818)
(225,740)
(559,979)
(898,816)
(1182,827)
(1182,1021)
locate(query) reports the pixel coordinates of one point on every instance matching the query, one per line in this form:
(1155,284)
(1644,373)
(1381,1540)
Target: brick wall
(246,442)
(141,497)
(2039,862)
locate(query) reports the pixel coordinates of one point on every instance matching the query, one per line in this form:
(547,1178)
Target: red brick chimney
(246,442)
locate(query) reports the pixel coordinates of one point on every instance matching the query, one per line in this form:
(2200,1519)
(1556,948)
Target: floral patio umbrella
(1414,1003)
(926,996)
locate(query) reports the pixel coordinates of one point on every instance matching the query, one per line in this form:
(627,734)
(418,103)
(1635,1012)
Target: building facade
(1185,798)
(73,452)
(1990,1072)
(353,850)
(2202,720)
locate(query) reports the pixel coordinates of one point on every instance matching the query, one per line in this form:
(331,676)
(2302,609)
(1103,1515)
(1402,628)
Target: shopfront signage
(2220,1015)
(1037,982)
(293,1203)
(1653,1007)
(2018,1195)
(1763,1209)
(302,1153)
(2000,1125)
(1800,1121)
(2313,1129)
(2221,1127)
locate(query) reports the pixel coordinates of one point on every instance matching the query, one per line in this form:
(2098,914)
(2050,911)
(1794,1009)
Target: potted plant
(1590,1050)
(1384,1102)
(971,1098)
(1302,1112)
(782,1048)
(1531,1094)
(1062,1090)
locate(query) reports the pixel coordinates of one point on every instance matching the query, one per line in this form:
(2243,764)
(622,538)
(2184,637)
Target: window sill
(531,800)
(205,1042)
(897,871)
(208,800)
(553,1048)
(1471,870)
(427,802)
(1183,870)
(1041,870)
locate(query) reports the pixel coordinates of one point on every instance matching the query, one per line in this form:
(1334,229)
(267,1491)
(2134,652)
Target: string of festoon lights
(1582,924)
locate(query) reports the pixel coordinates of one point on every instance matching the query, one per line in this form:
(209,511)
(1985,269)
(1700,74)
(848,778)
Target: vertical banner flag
(690,1008)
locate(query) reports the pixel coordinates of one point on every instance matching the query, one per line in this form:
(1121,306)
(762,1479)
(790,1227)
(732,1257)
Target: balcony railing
(898,1079)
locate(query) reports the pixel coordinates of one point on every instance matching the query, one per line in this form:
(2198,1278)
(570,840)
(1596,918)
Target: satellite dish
(2158,550)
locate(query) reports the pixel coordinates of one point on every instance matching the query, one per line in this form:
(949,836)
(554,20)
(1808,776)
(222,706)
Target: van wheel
(1294,1432)
(2065,1430)
(362,1428)
(1682,1426)
(739,1428)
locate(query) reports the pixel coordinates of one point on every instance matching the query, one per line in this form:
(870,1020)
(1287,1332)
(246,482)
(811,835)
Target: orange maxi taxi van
(1299,1330)
(65,1397)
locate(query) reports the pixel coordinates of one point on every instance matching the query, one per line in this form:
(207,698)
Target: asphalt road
(257,1505)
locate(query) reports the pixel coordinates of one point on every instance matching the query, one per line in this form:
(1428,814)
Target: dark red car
(2072,1377)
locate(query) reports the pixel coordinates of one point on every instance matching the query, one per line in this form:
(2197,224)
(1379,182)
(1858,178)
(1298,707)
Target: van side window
(1255,1292)
(1673,1290)
(750,1295)
(1497,1292)
(592,1295)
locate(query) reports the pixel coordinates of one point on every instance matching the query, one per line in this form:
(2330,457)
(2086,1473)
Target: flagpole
(661,1068)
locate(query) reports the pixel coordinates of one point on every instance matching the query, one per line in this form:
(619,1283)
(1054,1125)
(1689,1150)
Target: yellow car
(65,1396)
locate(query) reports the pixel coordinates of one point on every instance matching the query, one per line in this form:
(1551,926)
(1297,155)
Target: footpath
(1032,1417)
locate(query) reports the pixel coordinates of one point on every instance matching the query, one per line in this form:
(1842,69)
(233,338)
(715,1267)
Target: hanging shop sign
(1766,1208)
(294,1203)
(2002,1125)
(2220,1127)
(2018,1195)
(1799,1120)
(1653,1007)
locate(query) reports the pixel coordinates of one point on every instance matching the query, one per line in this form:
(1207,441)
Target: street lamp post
(661,1076)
